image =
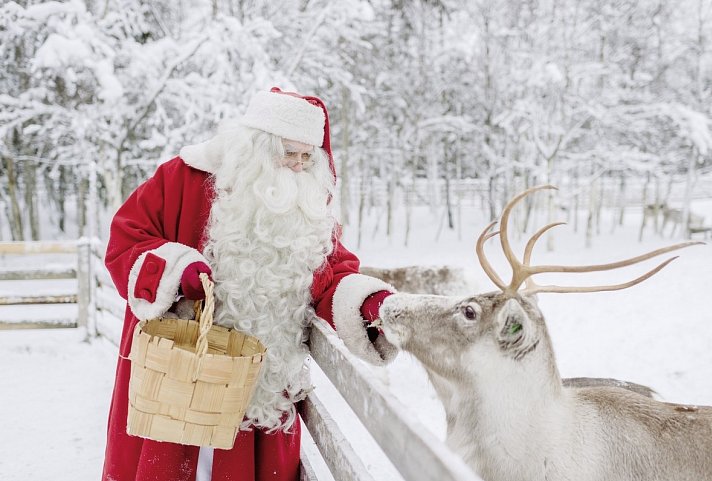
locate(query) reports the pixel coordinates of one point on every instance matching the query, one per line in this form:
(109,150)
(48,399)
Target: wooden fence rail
(56,299)
(64,272)
(339,455)
(39,247)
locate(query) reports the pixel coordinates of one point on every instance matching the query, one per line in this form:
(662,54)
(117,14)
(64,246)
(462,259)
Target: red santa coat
(160,230)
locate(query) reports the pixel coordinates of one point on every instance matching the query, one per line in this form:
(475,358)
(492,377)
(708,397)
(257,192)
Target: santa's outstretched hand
(369,311)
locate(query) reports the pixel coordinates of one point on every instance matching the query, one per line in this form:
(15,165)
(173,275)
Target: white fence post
(93,307)
(86,302)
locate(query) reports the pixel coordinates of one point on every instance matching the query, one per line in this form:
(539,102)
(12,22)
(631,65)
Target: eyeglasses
(291,159)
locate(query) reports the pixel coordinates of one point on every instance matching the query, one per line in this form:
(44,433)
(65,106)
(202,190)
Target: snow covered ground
(53,404)
(56,389)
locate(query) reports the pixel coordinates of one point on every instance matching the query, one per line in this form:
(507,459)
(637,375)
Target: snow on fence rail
(415,453)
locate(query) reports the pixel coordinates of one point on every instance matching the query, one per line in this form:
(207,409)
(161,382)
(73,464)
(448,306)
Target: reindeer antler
(522,271)
(483,260)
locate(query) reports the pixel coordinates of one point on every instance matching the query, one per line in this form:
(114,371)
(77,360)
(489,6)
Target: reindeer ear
(515,330)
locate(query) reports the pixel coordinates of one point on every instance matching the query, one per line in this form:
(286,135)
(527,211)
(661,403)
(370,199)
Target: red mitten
(190,283)
(369,311)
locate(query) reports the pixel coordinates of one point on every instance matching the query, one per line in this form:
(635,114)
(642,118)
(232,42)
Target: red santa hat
(288,115)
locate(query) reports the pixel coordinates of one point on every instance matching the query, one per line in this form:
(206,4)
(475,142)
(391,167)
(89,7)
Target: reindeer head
(452,336)
(444,333)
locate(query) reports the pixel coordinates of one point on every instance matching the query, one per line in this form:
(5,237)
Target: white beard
(269,230)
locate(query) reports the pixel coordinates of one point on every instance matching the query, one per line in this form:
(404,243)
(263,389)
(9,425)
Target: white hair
(269,229)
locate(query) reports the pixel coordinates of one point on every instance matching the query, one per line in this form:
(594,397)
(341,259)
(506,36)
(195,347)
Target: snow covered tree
(427,98)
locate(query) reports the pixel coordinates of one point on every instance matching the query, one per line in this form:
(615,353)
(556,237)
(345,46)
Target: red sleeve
(342,294)
(136,228)
(340,264)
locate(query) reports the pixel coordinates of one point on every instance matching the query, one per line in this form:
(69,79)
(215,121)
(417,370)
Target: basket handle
(205,320)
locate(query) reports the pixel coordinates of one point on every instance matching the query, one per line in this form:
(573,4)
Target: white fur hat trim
(286,116)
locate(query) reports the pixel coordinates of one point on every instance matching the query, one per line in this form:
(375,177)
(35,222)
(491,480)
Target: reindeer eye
(470,313)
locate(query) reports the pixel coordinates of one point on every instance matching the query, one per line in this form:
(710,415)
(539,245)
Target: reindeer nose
(386,309)
(390,307)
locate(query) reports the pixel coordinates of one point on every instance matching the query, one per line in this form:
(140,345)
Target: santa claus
(252,208)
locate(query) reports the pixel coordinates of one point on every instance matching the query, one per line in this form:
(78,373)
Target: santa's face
(297,155)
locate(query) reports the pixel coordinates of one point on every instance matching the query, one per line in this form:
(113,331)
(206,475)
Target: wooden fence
(410,447)
(81,271)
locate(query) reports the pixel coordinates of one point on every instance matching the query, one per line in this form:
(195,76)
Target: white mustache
(288,191)
(278,195)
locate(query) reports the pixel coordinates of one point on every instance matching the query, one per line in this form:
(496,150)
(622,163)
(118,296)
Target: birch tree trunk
(408,211)
(361,200)
(448,201)
(344,194)
(110,185)
(410,196)
(390,192)
(490,198)
(458,178)
(645,212)
(61,194)
(5,208)
(658,203)
(31,198)
(576,199)
(599,205)
(82,206)
(433,179)
(550,213)
(592,209)
(15,217)
(687,200)
(92,212)
(622,203)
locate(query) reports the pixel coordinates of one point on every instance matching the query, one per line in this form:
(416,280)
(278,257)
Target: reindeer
(674,217)
(509,416)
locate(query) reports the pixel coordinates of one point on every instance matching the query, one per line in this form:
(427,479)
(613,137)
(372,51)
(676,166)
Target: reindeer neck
(514,407)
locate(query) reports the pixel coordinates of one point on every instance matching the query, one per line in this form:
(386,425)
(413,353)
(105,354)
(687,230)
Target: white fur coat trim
(205,156)
(350,294)
(177,257)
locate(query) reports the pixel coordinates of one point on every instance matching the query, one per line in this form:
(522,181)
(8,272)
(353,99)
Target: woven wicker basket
(191,381)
